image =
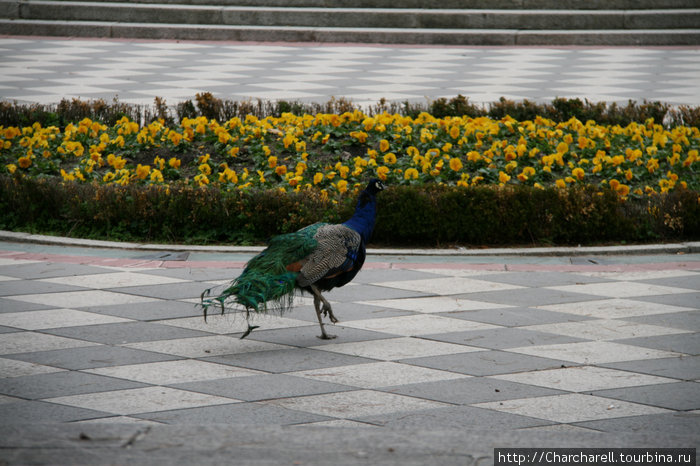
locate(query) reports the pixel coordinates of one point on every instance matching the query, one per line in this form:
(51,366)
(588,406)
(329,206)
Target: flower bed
(331,156)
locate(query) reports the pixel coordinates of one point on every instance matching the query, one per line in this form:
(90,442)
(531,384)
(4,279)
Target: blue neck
(365,214)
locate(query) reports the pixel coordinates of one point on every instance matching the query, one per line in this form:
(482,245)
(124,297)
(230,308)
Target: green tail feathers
(266,285)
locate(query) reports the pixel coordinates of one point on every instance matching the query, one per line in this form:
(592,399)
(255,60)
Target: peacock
(316,258)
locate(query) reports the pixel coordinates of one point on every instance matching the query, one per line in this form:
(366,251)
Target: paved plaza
(535,345)
(46,70)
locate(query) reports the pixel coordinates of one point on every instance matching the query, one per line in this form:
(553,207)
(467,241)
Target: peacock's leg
(317,305)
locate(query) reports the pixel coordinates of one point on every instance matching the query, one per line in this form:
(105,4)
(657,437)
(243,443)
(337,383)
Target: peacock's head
(375,185)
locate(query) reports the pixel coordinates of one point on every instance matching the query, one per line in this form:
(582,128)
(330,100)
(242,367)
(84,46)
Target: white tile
(141,400)
(422,324)
(614,308)
(233,322)
(172,372)
(12,368)
(4,278)
(378,374)
(620,289)
(457,272)
(397,348)
(583,378)
(448,285)
(573,407)
(55,318)
(434,304)
(642,274)
(114,280)
(26,342)
(201,347)
(355,404)
(605,329)
(73,299)
(594,352)
(120,420)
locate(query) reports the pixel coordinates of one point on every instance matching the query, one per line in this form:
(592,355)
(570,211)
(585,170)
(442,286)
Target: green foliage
(428,216)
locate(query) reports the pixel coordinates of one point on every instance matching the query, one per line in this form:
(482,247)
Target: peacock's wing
(266,282)
(336,252)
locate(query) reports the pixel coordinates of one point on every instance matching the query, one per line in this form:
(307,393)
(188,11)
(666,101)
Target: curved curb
(649,249)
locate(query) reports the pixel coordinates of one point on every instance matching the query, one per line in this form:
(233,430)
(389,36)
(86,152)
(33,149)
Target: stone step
(358,17)
(506,37)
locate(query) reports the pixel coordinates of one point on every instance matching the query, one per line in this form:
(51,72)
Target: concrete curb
(648,249)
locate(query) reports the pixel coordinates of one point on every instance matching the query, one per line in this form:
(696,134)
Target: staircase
(444,22)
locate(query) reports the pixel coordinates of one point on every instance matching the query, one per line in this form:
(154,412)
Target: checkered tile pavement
(48,70)
(425,345)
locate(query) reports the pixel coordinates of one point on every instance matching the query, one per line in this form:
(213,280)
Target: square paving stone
(583,378)
(420,324)
(263,387)
(150,311)
(355,404)
(25,342)
(503,338)
(594,352)
(30,287)
(470,390)
(570,408)
(78,299)
(61,383)
(614,308)
(170,291)
(454,417)
(681,396)
(369,276)
(173,372)
(354,292)
(129,332)
(55,318)
(33,412)
(197,274)
(516,316)
(448,285)
(91,357)
(687,300)
(40,270)
(543,279)
(204,347)
(684,367)
(306,337)
(11,305)
(13,368)
(682,320)
(606,329)
(347,312)
(377,374)
(691,282)
(252,414)
(141,400)
(398,348)
(530,297)
(688,343)
(620,289)
(435,304)
(487,362)
(667,423)
(287,360)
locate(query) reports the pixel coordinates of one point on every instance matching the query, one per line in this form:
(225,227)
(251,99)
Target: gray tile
(25,412)
(691,282)
(529,297)
(287,360)
(156,310)
(263,387)
(542,279)
(487,363)
(380,275)
(11,305)
(39,270)
(251,414)
(63,383)
(306,337)
(186,290)
(368,293)
(24,287)
(128,332)
(91,357)
(681,396)
(684,320)
(456,417)
(199,275)
(689,300)
(346,312)
(471,390)
(688,343)
(667,423)
(503,338)
(515,316)
(4,329)
(684,368)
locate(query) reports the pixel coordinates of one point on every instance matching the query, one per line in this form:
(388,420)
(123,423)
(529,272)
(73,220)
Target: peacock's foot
(328,312)
(326,336)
